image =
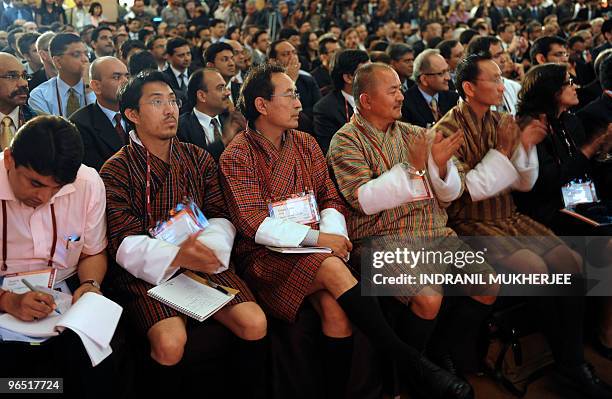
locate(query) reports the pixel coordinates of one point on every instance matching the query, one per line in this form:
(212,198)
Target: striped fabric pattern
(354,160)
(280,281)
(191,171)
(496,216)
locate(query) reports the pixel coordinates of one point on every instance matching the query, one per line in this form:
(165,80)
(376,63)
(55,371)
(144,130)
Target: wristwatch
(412,170)
(92,282)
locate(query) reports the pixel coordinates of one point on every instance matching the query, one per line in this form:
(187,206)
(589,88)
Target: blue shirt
(110,114)
(427,97)
(43,99)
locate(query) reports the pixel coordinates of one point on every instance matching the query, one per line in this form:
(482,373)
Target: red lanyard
(59,101)
(372,142)
(348,118)
(4,238)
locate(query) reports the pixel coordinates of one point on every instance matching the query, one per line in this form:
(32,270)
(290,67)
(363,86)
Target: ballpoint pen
(31,287)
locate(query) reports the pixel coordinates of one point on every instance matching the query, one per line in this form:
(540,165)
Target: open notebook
(93,318)
(192,295)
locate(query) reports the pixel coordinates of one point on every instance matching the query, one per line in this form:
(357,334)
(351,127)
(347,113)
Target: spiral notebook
(192,295)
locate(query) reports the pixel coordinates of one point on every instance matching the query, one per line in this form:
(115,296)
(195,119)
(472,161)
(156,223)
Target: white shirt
(206,122)
(350,99)
(178,74)
(511,90)
(14,115)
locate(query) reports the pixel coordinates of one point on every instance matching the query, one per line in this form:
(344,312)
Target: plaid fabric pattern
(495,216)
(355,159)
(192,172)
(280,281)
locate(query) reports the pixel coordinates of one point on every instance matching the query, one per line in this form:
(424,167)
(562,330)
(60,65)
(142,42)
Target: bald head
(366,77)
(108,74)
(13,91)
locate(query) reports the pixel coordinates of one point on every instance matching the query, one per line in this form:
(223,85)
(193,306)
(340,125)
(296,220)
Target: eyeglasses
(497,81)
(16,76)
(294,95)
(173,102)
(569,82)
(76,54)
(439,74)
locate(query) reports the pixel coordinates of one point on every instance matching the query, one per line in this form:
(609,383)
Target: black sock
(365,313)
(254,363)
(338,361)
(414,330)
(571,308)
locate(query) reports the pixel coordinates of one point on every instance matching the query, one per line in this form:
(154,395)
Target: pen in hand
(31,287)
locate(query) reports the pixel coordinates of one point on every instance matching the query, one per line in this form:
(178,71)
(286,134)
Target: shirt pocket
(71,253)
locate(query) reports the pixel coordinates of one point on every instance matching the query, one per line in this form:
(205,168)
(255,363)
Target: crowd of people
(399,119)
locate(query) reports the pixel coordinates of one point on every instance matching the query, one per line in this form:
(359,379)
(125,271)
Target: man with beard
(14,111)
(209,125)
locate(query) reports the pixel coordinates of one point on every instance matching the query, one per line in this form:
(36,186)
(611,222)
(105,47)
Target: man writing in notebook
(52,217)
(262,168)
(144,181)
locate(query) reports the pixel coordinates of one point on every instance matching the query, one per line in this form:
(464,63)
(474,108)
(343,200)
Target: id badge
(301,208)
(579,192)
(420,187)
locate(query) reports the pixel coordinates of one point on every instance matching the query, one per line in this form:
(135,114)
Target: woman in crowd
(95,10)
(49,12)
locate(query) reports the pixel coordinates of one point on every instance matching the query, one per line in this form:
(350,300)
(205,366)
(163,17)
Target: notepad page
(190,295)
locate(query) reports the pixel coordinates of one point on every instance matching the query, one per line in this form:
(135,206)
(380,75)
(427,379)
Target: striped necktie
(433,104)
(73,104)
(6,134)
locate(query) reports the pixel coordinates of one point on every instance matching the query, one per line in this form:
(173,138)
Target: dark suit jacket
(309,93)
(39,77)
(416,111)
(100,139)
(235,89)
(323,79)
(330,114)
(190,131)
(182,94)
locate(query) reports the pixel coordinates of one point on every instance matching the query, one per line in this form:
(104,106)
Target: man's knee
(562,259)
(252,322)
(525,261)
(426,306)
(332,315)
(167,346)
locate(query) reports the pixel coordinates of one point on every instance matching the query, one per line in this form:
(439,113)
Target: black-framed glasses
(16,76)
(569,82)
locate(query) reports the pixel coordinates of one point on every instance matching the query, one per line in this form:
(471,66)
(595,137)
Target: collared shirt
(80,211)
(14,115)
(206,122)
(43,98)
(177,75)
(110,114)
(428,97)
(350,99)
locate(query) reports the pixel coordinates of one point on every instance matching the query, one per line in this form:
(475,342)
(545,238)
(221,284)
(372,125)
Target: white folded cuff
(527,166)
(147,258)
(493,174)
(387,191)
(219,236)
(333,222)
(446,190)
(280,233)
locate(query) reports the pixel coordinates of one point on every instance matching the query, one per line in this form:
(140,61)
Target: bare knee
(252,323)
(167,346)
(426,306)
(335,277)
(335,322)
(562,259)
(525,261)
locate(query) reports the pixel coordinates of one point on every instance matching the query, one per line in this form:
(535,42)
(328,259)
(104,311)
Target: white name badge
(419,187)
(301,209)
(578,193)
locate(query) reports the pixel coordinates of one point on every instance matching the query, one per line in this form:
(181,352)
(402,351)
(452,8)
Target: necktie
(6,135)
(119,127)
(182,77)
(433,104)
(73,104)
(216,129)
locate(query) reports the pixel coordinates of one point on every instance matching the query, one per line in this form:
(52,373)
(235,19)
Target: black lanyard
(4,238)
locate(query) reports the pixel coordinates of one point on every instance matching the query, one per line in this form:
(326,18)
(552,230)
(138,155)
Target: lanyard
(4,238)
(346,110)
(264,168)
(59,100)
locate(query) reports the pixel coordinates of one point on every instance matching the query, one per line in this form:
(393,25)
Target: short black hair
(272,49)
(175,43)
(257,34)
(468,70)
(347,62)
(467,35)
(606,27)
(51,146)
(143,33)
(323,43)
(216,22)
(539,88)
(10,38)
(575,39)
(96,32)
(446,47)
(542,46)
(131,92)
(398,50)
(286,33)
(61,41)
(482,44)
(130,45)
(141,61)
(258,83)
(211,52)
(152,40)
(197,82)
(605,73)
(26,41)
